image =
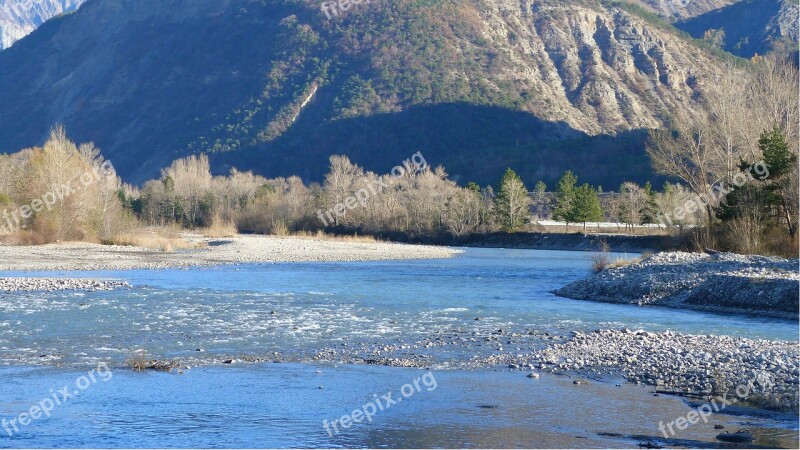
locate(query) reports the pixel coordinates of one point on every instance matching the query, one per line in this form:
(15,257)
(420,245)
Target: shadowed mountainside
(20,17)
(277,87)
(751,26)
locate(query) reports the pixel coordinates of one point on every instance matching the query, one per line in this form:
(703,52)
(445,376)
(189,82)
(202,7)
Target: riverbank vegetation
(741,158)
(63,191)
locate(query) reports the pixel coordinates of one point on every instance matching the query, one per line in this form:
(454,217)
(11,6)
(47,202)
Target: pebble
(723,282)
(29,284)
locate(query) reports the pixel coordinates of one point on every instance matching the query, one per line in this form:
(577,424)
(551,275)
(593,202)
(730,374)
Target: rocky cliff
(682,9)
(749,27)
(20,17)
(477,85)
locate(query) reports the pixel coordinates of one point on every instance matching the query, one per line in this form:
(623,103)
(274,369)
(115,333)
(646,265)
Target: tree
(650,210)
(340,182)
(513,202)
(705,151)
(565,194)
(686,152)
(672,198)
(474,187)
(585,206)
(632,203)
(781,163)
(540,199)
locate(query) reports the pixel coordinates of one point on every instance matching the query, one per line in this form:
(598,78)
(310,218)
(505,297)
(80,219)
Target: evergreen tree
(585,206)
(540,198)
(565,194)
(779,159)
(650,210)
(513,202)
(474,187)
(540,188)
(771,193)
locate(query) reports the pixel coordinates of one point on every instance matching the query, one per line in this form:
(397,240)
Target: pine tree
(650,210)
(780,162)
(585,206)
(565,194)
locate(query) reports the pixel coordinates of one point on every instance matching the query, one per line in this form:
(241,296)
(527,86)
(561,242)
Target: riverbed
(268,351)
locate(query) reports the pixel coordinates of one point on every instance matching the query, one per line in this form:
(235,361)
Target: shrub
(601,259)
(220,228)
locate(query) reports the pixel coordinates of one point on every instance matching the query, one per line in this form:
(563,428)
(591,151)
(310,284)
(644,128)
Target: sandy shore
(240,249)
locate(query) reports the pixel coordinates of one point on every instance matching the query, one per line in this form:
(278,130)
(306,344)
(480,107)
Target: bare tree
(686,152)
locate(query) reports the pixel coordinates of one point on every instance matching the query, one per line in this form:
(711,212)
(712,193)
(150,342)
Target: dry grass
(601,260)
(24,237)
(162,239)
(138,361)
(620,262)
(220,228)
(322,236)
(280,229)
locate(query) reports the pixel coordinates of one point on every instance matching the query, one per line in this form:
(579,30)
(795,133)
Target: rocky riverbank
(722,282)
(764,372)
(19,284)
(699,366)
(241,249)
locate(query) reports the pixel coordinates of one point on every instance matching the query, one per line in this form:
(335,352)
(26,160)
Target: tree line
(736,172)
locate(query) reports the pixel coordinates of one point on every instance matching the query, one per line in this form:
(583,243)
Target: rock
(740,437)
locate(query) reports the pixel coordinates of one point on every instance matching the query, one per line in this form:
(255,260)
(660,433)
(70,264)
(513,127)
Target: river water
(317,319)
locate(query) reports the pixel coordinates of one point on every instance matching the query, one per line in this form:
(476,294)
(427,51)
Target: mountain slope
(274,86)
(750,26)
(683,9)
(20,17)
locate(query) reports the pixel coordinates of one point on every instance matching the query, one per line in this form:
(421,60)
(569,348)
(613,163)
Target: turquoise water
(313,317)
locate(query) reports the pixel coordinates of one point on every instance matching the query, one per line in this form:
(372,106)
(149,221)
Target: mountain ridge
(229,78)
(18,18)
(749,27)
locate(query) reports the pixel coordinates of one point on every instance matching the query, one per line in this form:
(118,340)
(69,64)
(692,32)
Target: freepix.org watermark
(415,164)
(331,9)
(49,199)
(718,192)
(379,404)
(717,404)
(57,398)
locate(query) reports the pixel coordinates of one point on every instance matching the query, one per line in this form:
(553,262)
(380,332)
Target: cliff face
(18,18)
(682,9)
(275,86)
(750,27)
(601,70)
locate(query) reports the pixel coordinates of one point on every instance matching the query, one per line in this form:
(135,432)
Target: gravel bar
(20,284)
(241,249)
(720,282)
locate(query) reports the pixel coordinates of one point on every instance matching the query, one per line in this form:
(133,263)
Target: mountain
(275,86)
(749,27)
(20,17)
(683,9)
